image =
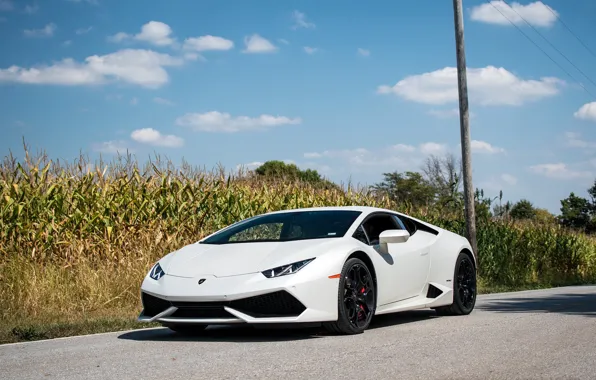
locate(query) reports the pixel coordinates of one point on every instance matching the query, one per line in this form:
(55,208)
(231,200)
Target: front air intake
(153,305)
(277,304)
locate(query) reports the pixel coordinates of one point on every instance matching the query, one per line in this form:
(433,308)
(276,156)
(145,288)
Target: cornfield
(76,239)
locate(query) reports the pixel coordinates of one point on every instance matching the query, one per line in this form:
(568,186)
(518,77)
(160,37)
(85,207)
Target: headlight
(156,272)
(286,269)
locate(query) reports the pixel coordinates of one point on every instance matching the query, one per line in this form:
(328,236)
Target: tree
(276,169)
(523,210)
(444,176)
(544,216)
(408,187)
(576,212)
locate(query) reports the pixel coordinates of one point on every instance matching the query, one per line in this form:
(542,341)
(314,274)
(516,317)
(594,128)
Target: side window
(399,222)
(407,223)
(359,234)
(377,224)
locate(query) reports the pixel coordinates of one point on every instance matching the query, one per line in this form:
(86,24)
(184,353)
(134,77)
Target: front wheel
(356,299)
(464,288)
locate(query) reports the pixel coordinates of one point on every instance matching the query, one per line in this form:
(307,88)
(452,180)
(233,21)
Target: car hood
(242,258)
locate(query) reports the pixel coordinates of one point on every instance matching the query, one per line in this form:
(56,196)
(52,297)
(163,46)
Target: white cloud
(313,155)
(433,148)
(134,101)
(118,37)
(215,121)
(399,156)
(112,147)
(300,21)
(363,52)
(30,9)
(488,86)
(250,165)
(310,50)
(536,13)
(163,101)
(484,147)
(344,153)
(258,44)
(284,41)
(83,30)
(402,148)
(67,43)
(46,31)
(586,112)
(509,179)
(189,56)
(154,32)
(6,5)
(144,68)
(559,171)
(574,140)
(208,42)
(151,136)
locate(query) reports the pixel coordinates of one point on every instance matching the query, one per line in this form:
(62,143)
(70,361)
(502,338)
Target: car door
(413,260)
(408,263)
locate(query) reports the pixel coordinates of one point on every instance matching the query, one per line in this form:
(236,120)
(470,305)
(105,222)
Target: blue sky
(350,90)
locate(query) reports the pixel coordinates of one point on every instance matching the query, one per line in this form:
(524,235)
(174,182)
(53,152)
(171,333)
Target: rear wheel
(187,329)
(356,299)
(464,288)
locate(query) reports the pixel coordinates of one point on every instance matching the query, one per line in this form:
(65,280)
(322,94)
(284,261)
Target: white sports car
(337,266)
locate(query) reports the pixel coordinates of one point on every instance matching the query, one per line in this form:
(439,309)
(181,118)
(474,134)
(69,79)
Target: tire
(464,299)
(356,303)
(187,329)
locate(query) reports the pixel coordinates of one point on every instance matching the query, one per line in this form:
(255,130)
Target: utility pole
(464,122)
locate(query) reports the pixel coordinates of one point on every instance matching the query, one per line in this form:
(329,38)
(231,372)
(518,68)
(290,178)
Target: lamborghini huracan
(337,266)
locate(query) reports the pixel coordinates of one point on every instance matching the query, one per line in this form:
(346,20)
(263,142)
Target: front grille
(201,310)
(153,305)
(277,304)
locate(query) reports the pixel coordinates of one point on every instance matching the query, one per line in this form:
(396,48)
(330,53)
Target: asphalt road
(547,334)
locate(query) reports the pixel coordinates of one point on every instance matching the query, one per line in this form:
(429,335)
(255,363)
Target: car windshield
(287,226)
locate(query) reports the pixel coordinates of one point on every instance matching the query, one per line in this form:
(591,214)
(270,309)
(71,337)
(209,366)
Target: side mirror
(394,236)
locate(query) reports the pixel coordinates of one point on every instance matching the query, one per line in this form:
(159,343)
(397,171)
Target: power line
(553,46)
(542,50)
(569,29)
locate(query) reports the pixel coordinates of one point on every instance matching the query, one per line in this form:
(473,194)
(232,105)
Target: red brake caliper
(361,307)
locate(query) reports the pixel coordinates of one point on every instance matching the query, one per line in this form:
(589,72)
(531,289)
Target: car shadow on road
(570,304)
(236,334)
(393,319)
(243,333)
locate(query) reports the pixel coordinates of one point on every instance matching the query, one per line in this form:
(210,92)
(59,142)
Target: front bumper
(250,298)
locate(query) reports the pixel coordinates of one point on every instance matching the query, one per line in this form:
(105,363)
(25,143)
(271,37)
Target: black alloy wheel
(356,299)
(464,288)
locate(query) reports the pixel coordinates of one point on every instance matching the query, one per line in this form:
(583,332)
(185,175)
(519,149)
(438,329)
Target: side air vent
(433,291)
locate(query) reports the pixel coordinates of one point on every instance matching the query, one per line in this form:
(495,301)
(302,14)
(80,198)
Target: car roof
(363,209)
